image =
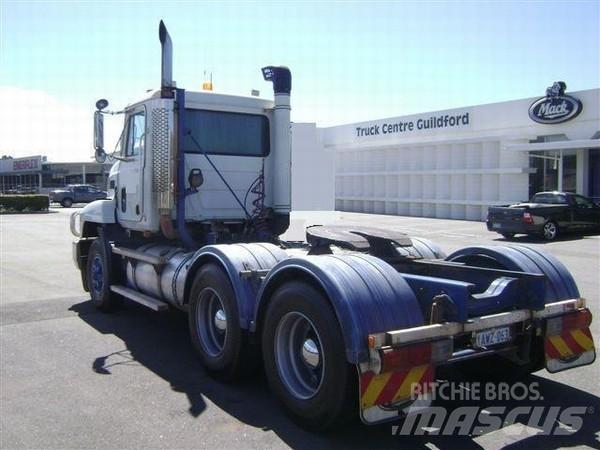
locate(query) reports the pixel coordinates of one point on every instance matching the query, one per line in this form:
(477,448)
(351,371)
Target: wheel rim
(550,230)
(97,275)
(211,322)
(299,355)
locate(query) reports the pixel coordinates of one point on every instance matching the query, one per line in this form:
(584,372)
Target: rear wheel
(550,231)
(215,326)
(304,357)
(66,202)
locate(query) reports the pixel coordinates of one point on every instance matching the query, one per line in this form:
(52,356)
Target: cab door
(587,214)
(129,188)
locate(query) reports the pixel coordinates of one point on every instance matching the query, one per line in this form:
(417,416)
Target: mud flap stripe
(551,352)
(559,344)
(375,386)
(414,376)
(572,343)
(583,338)
(388,393)
(365,381)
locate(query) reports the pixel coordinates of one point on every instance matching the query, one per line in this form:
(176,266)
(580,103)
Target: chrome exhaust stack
(166,67)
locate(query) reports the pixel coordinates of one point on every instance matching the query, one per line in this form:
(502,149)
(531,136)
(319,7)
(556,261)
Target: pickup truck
(547,214)
(76,193)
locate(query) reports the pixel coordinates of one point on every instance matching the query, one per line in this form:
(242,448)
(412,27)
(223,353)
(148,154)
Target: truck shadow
(160,342)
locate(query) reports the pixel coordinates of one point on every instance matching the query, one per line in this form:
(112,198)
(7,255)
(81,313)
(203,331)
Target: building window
(547,167)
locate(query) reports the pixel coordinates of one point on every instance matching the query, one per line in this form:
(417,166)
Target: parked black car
(547,214)
(76,193)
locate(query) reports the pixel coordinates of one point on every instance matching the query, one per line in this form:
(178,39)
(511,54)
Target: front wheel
(66,203)
(508,236)
(550,231)
(305,359)
(99,277)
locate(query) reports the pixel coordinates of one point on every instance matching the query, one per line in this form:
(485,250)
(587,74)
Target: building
(36,174)
(454,163)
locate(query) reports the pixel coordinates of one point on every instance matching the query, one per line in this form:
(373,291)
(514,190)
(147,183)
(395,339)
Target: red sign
(26,164)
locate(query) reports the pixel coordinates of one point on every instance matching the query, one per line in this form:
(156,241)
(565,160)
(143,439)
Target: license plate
(496,225)
(491,337)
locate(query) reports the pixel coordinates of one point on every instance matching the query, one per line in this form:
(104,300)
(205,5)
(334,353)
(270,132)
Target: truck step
(143,299)
(140,256)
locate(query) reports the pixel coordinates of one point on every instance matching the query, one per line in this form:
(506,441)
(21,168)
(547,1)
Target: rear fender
(559,283)
(234,259)
(367,295)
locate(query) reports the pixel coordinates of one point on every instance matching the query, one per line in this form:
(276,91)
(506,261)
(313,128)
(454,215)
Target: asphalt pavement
(72,377)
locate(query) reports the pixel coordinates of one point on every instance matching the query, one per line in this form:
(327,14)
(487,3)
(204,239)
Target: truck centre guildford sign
(421,123)
(556,106)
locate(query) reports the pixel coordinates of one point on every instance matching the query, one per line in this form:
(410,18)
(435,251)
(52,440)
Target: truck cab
(235,133)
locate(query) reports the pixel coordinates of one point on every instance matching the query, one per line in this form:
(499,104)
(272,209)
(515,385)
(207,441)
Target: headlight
(76,223)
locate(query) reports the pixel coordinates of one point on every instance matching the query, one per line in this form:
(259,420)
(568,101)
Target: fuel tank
(162,283)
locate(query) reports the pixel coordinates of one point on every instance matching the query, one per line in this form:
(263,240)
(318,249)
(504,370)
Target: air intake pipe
(282,155)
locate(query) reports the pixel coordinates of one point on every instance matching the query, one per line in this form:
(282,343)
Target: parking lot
(72,377)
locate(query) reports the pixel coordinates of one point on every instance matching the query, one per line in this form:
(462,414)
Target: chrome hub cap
(299,355)
(310,354)
(211,322)
(220,320)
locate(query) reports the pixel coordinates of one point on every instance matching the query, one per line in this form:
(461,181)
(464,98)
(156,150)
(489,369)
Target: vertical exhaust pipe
(282,157)
(166,66)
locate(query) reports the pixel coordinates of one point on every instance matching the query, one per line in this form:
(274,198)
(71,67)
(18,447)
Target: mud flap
(570,348)
(391,395)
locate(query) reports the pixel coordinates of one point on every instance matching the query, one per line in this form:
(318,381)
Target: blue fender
(234,258)
(560,284)
(367,295)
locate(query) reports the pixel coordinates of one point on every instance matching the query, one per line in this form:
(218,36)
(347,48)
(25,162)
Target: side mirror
(100,155)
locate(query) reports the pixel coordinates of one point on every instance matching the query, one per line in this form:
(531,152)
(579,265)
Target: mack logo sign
(555,107)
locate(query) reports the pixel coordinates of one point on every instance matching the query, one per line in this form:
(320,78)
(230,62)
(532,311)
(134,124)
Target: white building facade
(455,163)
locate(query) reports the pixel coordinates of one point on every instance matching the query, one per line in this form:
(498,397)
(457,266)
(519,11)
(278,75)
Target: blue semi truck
(348,322)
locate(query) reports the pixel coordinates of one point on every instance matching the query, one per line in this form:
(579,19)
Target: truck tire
(422,248)
(100,277)
(305,359)
(550,231)
(508,236)
(215,325)
(66,202)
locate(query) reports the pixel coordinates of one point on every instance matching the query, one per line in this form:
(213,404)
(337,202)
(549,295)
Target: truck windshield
(226,133)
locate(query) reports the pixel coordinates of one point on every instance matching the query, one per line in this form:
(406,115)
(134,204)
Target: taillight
(409,356)
(527,218)
(574,321)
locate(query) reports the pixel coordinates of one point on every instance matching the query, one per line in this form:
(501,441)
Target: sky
(350,61)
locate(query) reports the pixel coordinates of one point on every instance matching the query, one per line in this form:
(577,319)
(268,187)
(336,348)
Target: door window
(583,202)
(136,134)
